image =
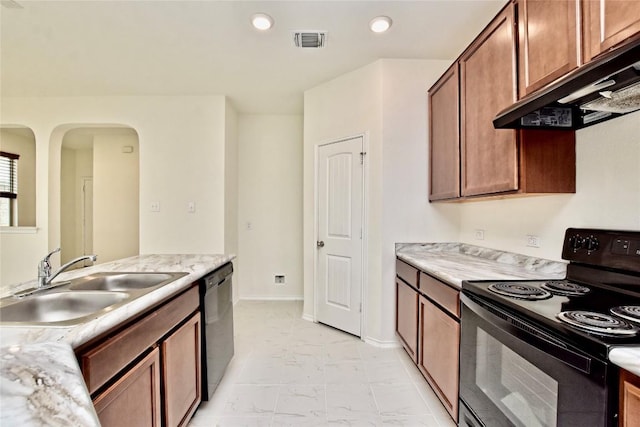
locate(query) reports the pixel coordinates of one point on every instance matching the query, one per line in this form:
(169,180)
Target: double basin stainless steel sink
(78,300)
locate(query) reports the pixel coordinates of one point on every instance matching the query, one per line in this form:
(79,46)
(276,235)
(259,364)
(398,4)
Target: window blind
(9,175)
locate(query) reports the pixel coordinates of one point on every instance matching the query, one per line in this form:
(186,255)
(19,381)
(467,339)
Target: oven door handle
(528,333)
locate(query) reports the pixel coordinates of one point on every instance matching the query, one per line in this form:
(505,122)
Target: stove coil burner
(628,312)
(519,290)
(598,323)
(565,288)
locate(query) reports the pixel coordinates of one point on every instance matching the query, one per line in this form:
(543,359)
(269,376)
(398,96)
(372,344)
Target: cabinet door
(607,23)
(407,317)
(135,398)
(181,372)
(488,85)
(439,345)
(444,137)
(548,41)
(629,399)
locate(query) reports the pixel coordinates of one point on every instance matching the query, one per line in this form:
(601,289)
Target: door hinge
(362,154)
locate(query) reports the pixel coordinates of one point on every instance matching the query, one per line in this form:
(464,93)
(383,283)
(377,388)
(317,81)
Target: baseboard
(274,298)
(382,344)
(307,317)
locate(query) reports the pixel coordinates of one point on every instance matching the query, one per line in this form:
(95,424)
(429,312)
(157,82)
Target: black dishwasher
(216,305)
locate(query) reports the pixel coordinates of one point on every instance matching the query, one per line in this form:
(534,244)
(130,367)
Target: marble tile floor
(291,372)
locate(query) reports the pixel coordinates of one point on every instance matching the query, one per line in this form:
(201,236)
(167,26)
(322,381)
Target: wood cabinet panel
(607,23)
(181,373)
(488,85)
(407,318)
(441,293)
(134,399)
(438,358)
(548,41)
(444,137)
(547,161)
(407,273)
(629,399)
(102,362)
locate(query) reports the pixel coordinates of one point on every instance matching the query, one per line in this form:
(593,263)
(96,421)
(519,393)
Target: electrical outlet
(479,234)
(279,280)
(533,241)
(249,226)
(155,206)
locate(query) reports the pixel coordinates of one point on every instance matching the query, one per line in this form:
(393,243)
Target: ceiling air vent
(310,38)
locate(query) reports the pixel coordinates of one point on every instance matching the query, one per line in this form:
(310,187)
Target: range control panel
(606,248)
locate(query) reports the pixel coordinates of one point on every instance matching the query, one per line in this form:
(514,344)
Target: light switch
(155,206)
(191,207)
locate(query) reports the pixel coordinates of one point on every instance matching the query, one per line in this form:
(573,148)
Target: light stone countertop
(40,381)
(41,384)
(455,262)
(627,358)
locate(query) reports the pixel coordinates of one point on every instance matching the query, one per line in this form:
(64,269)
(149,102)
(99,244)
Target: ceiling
(180,47)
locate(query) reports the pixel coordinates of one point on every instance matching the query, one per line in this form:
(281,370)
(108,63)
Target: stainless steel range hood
(603,89)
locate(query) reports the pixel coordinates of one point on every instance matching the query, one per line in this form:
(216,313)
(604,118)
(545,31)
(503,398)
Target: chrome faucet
(44,268)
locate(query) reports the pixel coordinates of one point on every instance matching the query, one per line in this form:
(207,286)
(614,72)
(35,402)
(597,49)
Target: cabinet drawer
(444,295)
(407,273)
(99,364)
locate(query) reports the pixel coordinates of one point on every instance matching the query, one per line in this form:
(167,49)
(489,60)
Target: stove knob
(591,243)
(575,242)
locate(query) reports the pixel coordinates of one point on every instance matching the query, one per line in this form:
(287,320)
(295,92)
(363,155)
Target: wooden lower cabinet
(407,318)
(147,372)
(629,399)
(136,394)
(438,360)
(181,373)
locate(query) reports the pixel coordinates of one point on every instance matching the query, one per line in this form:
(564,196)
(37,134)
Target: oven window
(522,392)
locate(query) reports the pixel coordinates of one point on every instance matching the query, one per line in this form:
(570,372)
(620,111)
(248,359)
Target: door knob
(320,244)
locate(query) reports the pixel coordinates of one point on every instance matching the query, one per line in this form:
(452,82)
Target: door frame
(365,234)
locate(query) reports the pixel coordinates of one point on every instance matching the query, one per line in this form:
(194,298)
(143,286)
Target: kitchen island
(27,394)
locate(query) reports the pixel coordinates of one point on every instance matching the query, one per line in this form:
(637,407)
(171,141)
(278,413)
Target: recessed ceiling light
(380,24)
(261,21)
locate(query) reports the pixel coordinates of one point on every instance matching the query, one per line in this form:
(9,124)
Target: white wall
(607,196)
(182,159)
(231,189)
(270,195)
(407,215)
(116,206)
(386,101)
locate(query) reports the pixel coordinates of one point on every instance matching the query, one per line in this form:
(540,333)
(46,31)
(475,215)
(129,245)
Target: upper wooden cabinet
(607,23)
(548,41)
(444,137)
(488,85)
(469,157)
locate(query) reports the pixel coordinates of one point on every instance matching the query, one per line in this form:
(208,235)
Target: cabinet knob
(320,244)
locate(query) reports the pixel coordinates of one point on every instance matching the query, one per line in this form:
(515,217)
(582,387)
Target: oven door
(513,374)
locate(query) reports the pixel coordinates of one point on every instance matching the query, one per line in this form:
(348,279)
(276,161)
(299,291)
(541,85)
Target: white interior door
(339,212)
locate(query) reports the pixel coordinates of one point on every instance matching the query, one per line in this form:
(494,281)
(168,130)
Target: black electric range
(561,330)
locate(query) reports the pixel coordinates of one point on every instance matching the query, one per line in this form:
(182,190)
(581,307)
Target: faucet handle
(46,259)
